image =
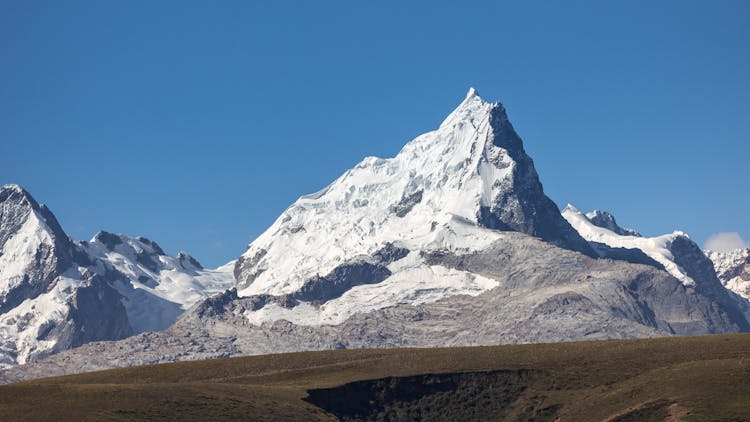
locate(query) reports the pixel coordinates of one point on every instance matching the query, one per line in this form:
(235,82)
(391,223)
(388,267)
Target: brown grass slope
(681,378)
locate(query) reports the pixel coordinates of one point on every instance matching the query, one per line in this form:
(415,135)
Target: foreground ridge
(701,378)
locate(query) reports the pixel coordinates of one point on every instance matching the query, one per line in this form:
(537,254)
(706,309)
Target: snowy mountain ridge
(658,248)
(720,275)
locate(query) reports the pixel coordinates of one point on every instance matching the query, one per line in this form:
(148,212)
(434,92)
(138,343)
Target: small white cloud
(725,242)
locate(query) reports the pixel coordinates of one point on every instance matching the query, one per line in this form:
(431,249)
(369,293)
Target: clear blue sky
(197,123)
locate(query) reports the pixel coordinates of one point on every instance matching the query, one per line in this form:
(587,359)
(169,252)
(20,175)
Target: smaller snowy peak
(676,253)
(660,248)
(46,303)
(16,205)
(156,288)
(727,260)
(733,269)
(607,220)
(140,250)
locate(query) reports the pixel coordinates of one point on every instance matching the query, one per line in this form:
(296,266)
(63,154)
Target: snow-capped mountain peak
(455,188)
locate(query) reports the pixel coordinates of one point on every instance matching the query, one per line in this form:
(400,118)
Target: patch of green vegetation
(689,378)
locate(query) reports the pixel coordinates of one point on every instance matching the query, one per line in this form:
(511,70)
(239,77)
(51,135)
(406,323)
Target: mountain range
(451,242)
(57,293)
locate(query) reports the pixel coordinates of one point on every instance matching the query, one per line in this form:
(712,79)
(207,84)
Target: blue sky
(197,123)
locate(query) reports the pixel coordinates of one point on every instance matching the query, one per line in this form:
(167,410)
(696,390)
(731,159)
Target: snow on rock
(607,221)
(21,326)
(20,251)
(658,248)
(156,288)
(412,282)
(733,269)
(33,248)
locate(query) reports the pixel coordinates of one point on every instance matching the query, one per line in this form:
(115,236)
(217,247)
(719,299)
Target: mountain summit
(388,232)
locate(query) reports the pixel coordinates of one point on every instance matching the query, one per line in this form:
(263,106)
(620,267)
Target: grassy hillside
(690,378)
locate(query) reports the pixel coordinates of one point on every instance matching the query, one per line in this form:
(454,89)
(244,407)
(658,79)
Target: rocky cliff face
(517,201)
